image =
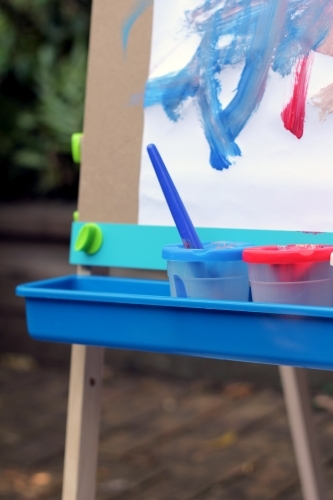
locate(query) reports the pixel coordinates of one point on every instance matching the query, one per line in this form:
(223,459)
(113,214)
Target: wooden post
(298,404)
(83,421)
(108,192)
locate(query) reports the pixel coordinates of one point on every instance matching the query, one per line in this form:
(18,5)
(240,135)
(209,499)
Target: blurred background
(43,58)
(172,426)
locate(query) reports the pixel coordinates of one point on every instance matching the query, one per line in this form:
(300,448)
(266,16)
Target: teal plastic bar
(140,247)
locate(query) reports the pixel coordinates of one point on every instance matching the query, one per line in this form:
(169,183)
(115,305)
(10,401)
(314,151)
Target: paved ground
(160,439)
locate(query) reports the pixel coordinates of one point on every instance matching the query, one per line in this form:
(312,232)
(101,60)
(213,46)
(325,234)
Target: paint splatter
(324,101)
(139,8)
(293,114)
(262,35)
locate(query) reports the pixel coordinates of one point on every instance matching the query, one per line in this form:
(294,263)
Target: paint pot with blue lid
(215,272)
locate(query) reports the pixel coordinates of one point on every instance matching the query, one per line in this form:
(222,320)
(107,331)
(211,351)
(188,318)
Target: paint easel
(108,196)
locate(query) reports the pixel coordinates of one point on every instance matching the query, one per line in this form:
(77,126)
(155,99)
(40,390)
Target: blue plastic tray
(140,314)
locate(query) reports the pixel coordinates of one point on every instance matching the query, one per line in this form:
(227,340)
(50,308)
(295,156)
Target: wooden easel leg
(83,423)
(297,400)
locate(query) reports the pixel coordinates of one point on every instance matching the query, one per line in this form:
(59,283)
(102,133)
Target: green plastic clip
(76,146)
(89,239)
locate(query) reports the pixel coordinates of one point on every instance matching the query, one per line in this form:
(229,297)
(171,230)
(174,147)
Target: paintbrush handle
(179,213)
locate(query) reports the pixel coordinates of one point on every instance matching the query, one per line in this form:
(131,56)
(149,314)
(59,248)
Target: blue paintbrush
(182,220)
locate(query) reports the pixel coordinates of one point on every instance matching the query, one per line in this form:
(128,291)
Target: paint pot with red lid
(291,274)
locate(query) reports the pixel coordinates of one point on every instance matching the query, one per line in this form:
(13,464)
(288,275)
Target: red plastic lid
(287,254)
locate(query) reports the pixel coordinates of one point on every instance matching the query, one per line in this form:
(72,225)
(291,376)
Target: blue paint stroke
(264,35)
(138,10)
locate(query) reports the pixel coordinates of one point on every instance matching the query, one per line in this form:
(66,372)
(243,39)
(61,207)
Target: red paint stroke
(293,115)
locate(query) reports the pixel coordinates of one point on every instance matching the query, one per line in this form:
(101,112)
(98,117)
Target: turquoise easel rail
(140,247)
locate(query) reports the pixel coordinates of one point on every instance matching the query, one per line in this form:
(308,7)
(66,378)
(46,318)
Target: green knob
(89,239)
(76,147)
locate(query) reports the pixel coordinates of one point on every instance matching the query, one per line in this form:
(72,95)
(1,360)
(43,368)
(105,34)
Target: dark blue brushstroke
(180,287)
(140,7)
(268,34)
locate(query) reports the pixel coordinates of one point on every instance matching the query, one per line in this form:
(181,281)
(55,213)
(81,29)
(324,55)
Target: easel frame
(118,156)
(109,195)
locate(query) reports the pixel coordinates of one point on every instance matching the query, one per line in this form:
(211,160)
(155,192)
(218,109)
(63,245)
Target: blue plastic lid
(217,250)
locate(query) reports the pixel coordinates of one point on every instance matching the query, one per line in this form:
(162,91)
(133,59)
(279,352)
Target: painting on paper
(239,101)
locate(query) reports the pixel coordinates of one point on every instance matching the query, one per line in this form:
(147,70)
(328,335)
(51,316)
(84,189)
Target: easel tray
(140,314)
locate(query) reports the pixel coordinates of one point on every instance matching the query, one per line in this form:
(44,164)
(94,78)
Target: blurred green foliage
(43,56)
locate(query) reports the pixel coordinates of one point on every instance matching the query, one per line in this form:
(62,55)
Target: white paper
(280,182)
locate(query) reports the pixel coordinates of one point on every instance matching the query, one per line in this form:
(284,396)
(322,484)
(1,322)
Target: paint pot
(215,272)
(291,274)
